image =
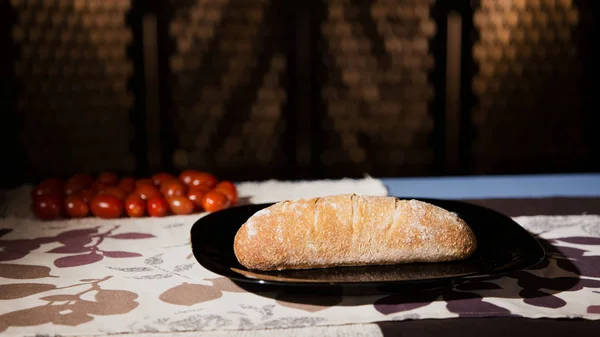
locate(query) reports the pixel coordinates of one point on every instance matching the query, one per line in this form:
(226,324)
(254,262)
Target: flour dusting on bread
(351,230)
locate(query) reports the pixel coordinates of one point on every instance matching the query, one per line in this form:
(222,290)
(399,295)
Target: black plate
(503,246)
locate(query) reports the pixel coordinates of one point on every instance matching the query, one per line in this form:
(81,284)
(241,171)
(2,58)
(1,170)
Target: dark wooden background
(259,89)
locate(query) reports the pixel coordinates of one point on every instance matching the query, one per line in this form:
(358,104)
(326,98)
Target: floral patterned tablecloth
(97,277)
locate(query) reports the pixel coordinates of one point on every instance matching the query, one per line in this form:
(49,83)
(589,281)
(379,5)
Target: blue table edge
(496,186)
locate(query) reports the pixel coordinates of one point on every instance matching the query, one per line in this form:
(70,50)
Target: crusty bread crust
(351,230)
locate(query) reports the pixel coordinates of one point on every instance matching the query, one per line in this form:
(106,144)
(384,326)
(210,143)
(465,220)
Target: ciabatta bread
(351,230)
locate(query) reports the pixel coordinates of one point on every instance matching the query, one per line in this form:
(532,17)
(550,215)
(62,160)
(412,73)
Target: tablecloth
(97,277)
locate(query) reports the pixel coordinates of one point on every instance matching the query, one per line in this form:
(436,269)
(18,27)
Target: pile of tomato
(109,196)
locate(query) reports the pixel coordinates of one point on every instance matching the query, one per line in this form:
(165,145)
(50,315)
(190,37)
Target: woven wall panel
(377,91)
(227,75)
(529,115)
(71,73)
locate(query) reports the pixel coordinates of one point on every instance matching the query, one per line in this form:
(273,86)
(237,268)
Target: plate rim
(530,261)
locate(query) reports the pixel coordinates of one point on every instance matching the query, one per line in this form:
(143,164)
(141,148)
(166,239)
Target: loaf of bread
(351,230)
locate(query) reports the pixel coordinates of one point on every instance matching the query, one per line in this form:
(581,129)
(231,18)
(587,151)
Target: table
(515,196)
(552,194)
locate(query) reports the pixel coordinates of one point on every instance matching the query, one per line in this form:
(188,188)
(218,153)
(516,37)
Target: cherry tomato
(197,178)
(47,206)
(228,188)
(98,187)
(186,176)
(230,194)
(179,204)
(144,181)
(114,191)
(146,191)
(76,207)
(214,201)
(77,183)
(173,188)
(127,185)
(160,178)
(86,195)
(204,179)
(157,206)
(106,206)
(52,186)
(108,178)
(226,185)
(135,206)
(203,188)
(195,194)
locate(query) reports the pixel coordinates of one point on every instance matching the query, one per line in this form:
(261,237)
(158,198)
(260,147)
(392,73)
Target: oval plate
(503,246)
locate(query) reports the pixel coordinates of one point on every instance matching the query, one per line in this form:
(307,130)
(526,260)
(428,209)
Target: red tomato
(114,191)
(108,178)
(160,178)
(204,179)
(214,201)
(98,187)
(196,178)
(179,204)
(186,176)
(135,206)
(53,186)
(157,206)
(86,195)
(144,181)
(77,183)
(146,191)
(76,207)
(173,188)
(226,185)
(127,185)
(228,188)
(203,188)
(106,206)
(47,206)
(232,196)
(195,195)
